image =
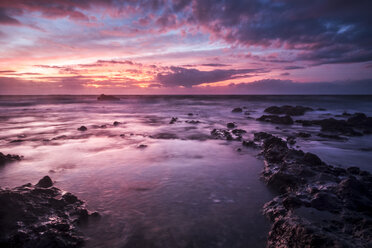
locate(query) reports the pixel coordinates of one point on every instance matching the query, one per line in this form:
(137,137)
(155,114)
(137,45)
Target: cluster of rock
(4,159)
(318,205)
(41,216)
(356,125)
(231,133)
(285,110)
(288,110)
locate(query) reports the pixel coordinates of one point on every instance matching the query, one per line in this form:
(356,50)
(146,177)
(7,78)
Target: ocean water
(180,188)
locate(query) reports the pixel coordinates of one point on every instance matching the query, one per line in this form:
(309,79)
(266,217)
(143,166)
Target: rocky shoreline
(41,216)
(317,205)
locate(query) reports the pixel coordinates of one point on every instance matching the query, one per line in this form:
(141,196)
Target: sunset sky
(185,46)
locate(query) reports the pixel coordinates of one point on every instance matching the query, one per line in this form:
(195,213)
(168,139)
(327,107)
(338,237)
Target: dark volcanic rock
(82,128)
(287,110)
(45,182)
(249,143)
(104,97)
(237,110)
(231,125)
(4,159)
(116,123)
(319,205)
(226,134)
(173,120)
(358,121)
(34,216)
(286,120)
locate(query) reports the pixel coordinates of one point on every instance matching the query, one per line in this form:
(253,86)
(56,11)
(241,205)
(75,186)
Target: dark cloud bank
(320,31)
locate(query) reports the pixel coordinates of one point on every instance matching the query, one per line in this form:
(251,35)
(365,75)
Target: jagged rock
(173,120)
(104,97)
(45,182)
(4,159)
(307,185)
(34,216)
(286,120)
(287,110)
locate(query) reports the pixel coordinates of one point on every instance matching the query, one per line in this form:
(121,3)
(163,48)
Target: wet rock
(193,122)
(291,140)
(190,114)
(238,132)
(247,113)
(311,159)
(82,128)
(261,136)
(16,141)
(237,110)
(141,146)
(33,216)
(103,126)
(45,182)
(231,125)
(287,110)
(291,202)
(173,120)
(104,97)
(303,135)
(4,159)
(321,109)
(116,123)
(221,134)
(249,143)
(353,170)
(285,120)
(325,201)
(313,196)
(358,121)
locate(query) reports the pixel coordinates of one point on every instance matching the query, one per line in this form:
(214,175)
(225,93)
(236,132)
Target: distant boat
(104,97)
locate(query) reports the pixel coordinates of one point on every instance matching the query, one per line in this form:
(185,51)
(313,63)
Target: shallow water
(183,189)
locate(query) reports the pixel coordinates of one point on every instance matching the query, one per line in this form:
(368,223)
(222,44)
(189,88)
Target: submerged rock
(287,110)
(286,120)
(104,97)
(38,216)
(237,110)
(173,120)
(4,159)
(82,128)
